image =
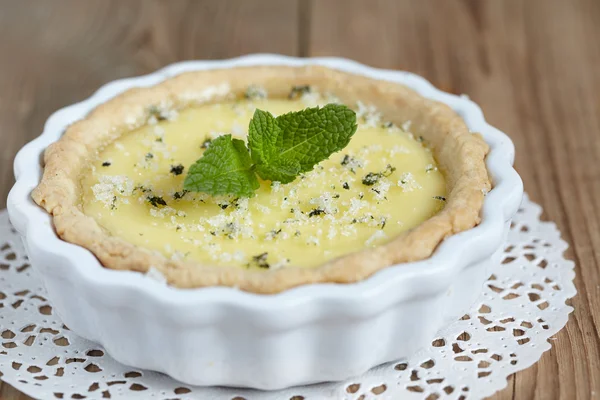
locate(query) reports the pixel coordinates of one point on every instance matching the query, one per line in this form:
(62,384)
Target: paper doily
(521,306)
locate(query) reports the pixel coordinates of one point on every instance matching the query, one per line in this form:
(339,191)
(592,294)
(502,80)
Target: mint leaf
(295,142)
(263,137)
(225,168)
(263,133)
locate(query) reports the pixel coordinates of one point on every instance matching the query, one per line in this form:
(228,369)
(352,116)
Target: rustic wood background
(533,66)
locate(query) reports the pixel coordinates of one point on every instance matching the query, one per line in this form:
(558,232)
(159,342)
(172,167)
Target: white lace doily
(521,306)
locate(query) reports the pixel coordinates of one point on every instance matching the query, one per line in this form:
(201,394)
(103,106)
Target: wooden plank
(534,67)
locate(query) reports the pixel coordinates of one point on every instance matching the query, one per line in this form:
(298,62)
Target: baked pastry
(411,175)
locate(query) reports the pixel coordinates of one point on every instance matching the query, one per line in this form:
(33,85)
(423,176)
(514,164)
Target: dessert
(411,175)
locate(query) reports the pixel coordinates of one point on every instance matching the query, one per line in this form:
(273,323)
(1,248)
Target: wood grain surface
(533,66)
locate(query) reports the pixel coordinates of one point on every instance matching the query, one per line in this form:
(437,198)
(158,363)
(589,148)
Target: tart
(411,175)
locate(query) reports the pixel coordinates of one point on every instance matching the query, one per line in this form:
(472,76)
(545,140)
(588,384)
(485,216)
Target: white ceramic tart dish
(303,332)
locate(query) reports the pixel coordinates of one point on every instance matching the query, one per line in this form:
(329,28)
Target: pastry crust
(460,154)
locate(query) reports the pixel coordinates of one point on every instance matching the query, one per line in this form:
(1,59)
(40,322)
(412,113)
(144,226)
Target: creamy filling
(382,184)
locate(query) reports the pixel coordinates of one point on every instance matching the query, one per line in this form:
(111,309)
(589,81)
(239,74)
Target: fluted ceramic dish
(223,336)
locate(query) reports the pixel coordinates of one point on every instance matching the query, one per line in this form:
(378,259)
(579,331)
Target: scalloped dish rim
(454,253)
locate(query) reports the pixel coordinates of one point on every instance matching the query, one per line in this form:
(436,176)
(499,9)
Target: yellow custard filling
(383,183)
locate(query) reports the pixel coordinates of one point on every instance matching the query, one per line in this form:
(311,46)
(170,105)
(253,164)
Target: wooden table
(533,66)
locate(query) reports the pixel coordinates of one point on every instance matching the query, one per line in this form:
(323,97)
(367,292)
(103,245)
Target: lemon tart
(411,175)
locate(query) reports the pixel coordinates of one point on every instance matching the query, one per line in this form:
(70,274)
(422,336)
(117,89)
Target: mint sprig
(280,149)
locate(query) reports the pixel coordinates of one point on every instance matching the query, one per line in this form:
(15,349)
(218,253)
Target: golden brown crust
(460,154)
